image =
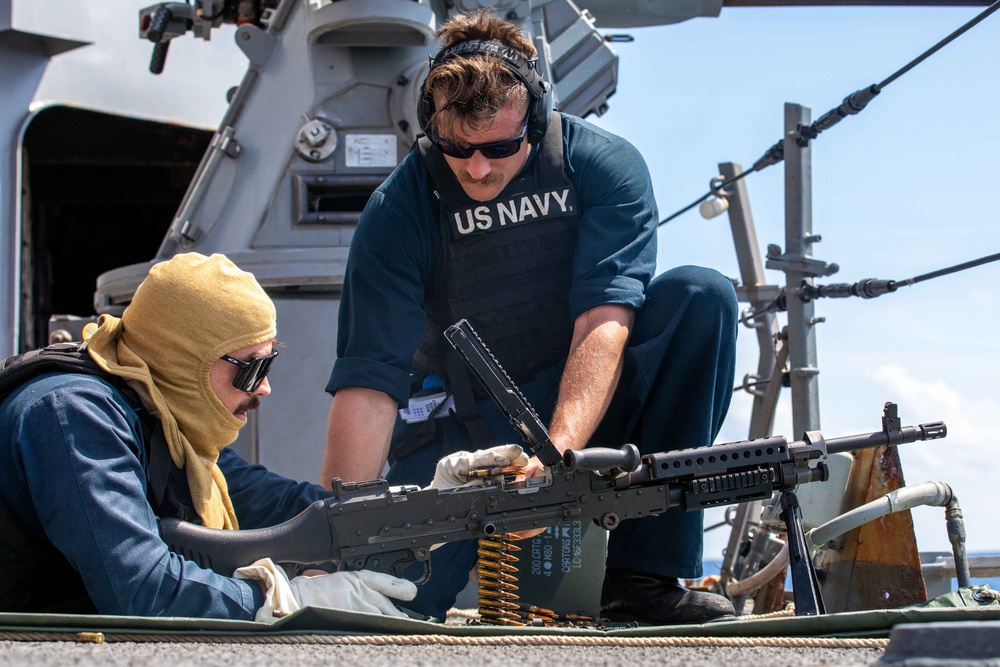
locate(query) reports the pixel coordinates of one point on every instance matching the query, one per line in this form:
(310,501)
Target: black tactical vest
(35,576)
(506,265)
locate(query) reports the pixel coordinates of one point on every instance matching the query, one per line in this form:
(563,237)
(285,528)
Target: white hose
(758,579)
(934,494)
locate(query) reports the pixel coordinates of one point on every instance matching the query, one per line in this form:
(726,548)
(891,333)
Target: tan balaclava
(188,312)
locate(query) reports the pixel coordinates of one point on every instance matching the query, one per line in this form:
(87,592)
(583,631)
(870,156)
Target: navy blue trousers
(674,393)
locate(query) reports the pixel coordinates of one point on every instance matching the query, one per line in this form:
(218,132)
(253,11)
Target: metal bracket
(801,263)
(229,145)
(223,143)
(758,293)
(805,584)
(188,231)
(256,44)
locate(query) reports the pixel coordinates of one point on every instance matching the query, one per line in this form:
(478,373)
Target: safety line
(852,104)
(448,640)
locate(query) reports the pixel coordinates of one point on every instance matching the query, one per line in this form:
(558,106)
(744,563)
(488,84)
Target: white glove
(362,590)
(453,470)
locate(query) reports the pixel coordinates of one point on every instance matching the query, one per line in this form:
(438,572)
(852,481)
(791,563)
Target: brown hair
(477,87)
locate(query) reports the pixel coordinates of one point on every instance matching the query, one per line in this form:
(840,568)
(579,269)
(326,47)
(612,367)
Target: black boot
(656,600)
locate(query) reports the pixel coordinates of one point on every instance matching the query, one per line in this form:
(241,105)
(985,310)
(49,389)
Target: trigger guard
(424,575)
(396,568)
(399,567)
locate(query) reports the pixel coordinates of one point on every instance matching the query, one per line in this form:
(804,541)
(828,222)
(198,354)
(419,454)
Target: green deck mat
(960,605)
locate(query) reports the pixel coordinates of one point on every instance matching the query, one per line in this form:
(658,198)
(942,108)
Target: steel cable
(852,104)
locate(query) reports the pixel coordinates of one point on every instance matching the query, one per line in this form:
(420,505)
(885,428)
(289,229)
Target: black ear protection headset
(523,69)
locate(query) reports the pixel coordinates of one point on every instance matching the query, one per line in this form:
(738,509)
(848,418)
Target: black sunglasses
(493,150)
(251,373)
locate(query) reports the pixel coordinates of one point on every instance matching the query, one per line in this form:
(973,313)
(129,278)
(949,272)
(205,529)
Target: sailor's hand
(363,590)
(454,470)
(534,468)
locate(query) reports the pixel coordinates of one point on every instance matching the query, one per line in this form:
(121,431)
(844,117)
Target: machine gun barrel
(929,431)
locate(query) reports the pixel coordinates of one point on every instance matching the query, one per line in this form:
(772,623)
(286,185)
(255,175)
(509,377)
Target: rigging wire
(944,42)
(868,288)
(852,104)
(951,269)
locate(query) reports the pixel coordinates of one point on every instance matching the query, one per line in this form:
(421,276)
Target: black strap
(425,434)
(34,576)
(443,178)
(551,172)
(24,552)
(160,465)
(16,538)
(465,403)
(465,412)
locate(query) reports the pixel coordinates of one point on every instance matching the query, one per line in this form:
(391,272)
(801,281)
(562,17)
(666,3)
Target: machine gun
(370,525)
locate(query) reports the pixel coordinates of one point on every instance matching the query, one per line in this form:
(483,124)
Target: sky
(902,189)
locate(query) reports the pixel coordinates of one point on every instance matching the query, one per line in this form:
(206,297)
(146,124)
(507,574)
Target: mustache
(249,405)
(492,178)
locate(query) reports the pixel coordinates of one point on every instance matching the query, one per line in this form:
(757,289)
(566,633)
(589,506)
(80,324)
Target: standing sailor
(540,229)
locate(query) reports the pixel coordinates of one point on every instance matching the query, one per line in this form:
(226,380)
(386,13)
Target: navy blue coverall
(679,365)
